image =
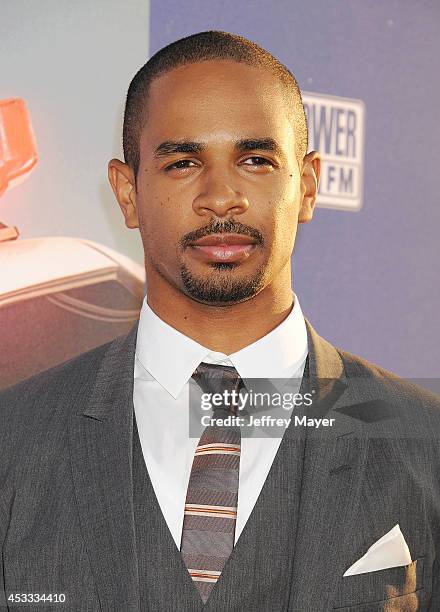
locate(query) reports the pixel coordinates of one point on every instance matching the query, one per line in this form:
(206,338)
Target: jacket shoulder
(39,403)
(384,383)
(55,381)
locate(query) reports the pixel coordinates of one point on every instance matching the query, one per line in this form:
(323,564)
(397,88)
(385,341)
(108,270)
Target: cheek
(290,204)
(153,221)
(283,209)
(281,228)
(292,187)
(286,192)
(161,226)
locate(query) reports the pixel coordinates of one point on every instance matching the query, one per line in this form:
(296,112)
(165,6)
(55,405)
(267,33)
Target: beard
(221,287)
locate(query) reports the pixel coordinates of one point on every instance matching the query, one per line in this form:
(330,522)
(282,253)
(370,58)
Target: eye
(258,161)
(181,164)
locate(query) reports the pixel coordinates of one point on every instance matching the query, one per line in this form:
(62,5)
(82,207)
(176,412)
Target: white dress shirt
(165,360)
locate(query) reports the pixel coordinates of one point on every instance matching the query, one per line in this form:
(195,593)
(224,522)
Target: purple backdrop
(367,280)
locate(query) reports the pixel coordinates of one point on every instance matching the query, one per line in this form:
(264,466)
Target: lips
(223,247)
(223,239)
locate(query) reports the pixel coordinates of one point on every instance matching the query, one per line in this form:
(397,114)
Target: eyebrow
(169,147)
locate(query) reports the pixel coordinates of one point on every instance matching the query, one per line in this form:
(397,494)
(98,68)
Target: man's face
(219,191)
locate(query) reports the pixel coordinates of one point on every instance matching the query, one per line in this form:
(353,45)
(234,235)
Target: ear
(121,179)
(309,185)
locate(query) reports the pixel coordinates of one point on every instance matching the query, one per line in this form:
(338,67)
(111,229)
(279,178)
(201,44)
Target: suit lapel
(333,469)
(100,438)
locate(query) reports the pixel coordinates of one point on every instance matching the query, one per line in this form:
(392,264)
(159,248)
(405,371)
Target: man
(107,500)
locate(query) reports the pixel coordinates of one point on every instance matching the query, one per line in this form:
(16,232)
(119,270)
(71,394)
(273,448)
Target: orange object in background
(59,296)
(18,152)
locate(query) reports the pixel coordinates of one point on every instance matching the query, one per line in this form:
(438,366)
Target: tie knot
(213,378)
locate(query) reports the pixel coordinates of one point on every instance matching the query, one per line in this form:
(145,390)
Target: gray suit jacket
(66,509)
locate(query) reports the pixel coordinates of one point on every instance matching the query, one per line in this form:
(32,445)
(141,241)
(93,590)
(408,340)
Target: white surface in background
(29,263)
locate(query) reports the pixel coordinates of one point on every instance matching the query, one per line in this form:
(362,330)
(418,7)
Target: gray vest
(257,575)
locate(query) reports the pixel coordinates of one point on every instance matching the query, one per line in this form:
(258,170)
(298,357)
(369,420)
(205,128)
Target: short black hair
(204,46)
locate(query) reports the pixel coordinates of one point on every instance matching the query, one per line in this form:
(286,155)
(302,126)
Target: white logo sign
(336,130)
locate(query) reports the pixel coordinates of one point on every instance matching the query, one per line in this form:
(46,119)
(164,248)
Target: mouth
(223,247)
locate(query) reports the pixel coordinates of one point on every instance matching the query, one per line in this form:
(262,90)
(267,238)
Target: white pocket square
(390,550)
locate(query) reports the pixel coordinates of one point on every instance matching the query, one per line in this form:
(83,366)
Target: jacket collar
(114,377)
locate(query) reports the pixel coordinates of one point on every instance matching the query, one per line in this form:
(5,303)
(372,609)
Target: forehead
(209,98)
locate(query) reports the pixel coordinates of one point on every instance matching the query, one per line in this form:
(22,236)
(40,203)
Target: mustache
(222,227)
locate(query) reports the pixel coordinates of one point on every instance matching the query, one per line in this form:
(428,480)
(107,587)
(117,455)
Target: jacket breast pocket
(391,590)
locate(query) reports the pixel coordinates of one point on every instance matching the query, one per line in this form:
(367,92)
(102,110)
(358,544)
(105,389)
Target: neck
(225,329)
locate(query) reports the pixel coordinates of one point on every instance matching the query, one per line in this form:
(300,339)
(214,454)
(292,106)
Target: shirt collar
(170,357)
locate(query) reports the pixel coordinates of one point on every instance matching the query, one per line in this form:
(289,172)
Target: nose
(218,198)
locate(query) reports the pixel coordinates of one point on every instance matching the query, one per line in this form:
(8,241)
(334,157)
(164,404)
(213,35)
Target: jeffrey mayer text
(266,421)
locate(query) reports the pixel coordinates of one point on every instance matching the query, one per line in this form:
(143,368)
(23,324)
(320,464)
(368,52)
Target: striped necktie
(211,500)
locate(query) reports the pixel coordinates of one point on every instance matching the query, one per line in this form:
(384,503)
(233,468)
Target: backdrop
(60,294)
(367,268)
(72,63)
(367,280)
